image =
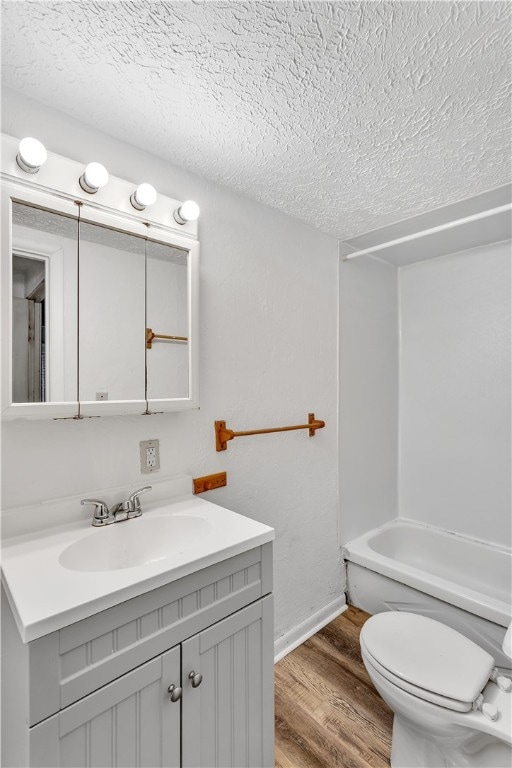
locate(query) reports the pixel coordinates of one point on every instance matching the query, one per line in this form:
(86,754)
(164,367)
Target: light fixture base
(87,187)
(177,218)
(135,203)
(25,167)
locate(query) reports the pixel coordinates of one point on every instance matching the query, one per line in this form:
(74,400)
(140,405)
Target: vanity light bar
(31,155)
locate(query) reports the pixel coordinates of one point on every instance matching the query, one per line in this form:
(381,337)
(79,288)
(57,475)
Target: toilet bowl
(451,706)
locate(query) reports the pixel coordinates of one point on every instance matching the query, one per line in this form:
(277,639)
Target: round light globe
(93,178)
(31,155)
(96,175)
(188,211)
(145,194)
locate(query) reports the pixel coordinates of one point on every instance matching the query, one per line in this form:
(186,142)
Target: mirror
(167,347)
(111,315)
(29,329)
(44,305)
(102,309)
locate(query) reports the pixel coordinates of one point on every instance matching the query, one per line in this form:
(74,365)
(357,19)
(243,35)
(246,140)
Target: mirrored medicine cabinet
(99,310)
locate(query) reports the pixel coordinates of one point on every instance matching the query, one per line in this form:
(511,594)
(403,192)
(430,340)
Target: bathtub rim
(478,603)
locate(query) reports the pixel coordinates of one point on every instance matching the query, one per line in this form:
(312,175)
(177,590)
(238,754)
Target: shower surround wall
(368,395)
(455,393)
(268,352)
(425,403)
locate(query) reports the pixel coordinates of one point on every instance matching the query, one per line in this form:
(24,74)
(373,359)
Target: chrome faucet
(101,513)
(134,500)
(123,510)
(131,507)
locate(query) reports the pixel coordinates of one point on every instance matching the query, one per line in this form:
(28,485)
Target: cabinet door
(130,722)
(228,720)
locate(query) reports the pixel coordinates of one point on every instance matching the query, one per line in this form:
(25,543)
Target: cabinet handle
(174,692)
(196,679)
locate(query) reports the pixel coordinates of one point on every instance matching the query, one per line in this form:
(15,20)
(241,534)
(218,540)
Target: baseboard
(299,634)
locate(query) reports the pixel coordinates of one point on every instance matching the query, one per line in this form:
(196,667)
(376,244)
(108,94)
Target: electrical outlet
(149,456)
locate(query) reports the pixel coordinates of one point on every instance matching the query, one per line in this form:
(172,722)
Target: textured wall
(455,385)
(368,395)
(268,357)
(348,115)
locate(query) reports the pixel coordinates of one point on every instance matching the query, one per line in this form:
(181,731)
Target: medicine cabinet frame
(74,204)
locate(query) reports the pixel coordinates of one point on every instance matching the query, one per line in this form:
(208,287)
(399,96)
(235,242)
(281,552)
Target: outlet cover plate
(149,456)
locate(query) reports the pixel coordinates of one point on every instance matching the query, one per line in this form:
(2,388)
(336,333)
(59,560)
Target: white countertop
(46,596)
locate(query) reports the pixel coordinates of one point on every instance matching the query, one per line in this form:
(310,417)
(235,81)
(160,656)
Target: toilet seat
(421,693)
(426,658)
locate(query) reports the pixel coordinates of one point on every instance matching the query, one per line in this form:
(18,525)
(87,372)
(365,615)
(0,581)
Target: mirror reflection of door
(44,305)
(28,330)
(167,314)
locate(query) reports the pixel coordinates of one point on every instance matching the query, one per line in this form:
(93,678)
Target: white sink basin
(57,569)
(136,542)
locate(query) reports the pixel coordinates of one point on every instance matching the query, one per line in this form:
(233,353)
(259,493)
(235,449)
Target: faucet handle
(101,513)
(134,499)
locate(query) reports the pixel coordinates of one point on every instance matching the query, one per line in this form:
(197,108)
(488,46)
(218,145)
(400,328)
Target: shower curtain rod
(431,231)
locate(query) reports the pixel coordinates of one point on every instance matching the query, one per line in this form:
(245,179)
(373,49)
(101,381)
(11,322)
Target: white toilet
(452,707)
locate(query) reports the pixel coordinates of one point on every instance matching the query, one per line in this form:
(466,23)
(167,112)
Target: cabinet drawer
(69,664)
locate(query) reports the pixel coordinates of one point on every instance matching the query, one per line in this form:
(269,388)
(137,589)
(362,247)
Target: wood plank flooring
(328,714)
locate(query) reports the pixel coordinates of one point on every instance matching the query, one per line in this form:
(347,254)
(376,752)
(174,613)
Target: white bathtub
(464,583)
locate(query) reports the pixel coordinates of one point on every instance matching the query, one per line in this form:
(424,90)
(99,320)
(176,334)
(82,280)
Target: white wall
(455,393)
(368,395)
(269,308)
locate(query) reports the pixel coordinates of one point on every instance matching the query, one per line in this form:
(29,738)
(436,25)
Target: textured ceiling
(347,115)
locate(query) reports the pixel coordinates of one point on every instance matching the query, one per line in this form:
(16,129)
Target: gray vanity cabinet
(95,693)
(228,718)
(130,722)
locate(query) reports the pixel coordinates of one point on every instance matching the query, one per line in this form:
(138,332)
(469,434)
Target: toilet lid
(428,655)
(421,693)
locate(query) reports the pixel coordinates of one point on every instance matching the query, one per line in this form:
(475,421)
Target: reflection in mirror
(167,359)
(111,315)
(28,329)
(44,322)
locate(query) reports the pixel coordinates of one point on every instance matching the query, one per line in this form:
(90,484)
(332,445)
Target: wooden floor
(328,714)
